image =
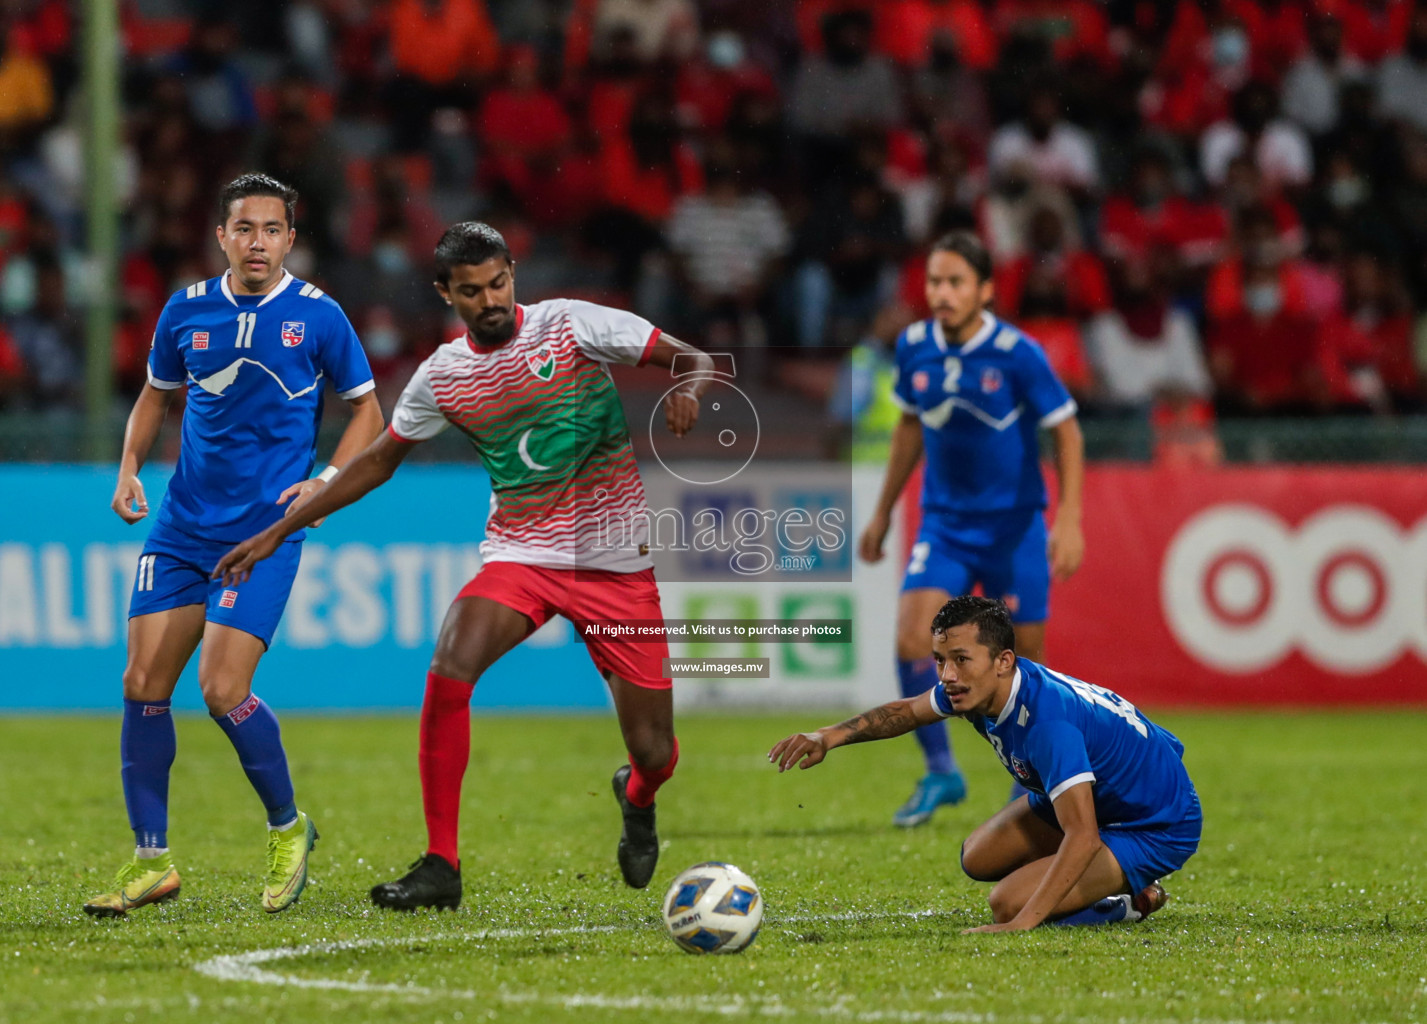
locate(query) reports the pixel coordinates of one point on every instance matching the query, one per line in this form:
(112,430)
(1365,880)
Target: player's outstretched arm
(368,471)
(363,428)
(906,453)
(681,408)
(140,433)
(880,723)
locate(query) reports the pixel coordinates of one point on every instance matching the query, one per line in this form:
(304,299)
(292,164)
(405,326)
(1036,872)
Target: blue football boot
(935,789)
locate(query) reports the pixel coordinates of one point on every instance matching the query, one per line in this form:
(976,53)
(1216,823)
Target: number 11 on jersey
(246,323)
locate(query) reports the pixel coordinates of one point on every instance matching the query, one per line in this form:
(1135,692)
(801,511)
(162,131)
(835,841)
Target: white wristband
(327,474)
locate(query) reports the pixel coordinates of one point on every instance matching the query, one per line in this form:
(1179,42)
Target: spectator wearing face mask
(715,82)
(1263,341)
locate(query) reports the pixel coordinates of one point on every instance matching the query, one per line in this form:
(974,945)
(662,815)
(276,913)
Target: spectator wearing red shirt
(1244,189)
(713,83)
(12,369)
(1256,37)
(1052,275)
(522,129)
(1263,343)
(907,28)
(1369,344)
(645,170)
(1372,29)
(1049,292)
(1154,215)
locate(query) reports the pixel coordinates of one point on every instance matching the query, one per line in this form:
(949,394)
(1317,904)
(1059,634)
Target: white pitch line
(248,967)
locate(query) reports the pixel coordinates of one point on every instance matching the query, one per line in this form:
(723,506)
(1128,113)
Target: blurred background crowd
(1199,207)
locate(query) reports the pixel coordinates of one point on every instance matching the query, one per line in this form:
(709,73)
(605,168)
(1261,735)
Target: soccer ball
(713,908)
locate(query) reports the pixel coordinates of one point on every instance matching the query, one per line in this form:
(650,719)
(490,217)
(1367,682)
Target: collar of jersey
(1011,700)
(990,327)
(281,287)
(481,350)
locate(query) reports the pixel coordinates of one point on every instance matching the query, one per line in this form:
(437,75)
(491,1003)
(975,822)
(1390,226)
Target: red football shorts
(584,596)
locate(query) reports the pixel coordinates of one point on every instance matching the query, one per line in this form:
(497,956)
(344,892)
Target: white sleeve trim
(936,709)
(163,385)
(358,391)
(1074,780)
(905,406)
(1058,416)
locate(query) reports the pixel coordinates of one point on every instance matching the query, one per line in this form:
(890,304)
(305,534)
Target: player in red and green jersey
(529,386)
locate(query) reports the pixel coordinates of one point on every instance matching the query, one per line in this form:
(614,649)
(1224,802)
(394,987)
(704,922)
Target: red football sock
(644,784)
(445,751)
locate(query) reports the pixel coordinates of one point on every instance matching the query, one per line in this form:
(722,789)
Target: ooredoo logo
(1347,588)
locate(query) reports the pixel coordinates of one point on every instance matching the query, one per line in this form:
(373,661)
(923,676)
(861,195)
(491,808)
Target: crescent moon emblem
(525,452)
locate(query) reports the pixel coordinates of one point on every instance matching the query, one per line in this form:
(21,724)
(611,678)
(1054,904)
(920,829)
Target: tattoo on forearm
(880,723)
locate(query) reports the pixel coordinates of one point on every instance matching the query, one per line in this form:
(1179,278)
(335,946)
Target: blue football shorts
(1145,852)
(1004,553)
(174,571)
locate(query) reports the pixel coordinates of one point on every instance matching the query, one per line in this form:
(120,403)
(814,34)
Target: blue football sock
(1106,911)
(917,677)
(253,730)
(146,747)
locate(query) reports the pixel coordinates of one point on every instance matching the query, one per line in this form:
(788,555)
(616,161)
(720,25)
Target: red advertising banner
(1264,585)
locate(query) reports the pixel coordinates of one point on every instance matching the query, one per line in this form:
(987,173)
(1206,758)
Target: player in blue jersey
(1110,807)
(975,394)
(253,350)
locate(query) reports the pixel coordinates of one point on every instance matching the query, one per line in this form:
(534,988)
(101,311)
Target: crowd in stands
(1213,201)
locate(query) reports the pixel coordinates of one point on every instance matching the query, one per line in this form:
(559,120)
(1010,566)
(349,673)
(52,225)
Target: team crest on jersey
(200,340)
(1020,769)
(991,380)
(921,381)
(541,362)
(292,332)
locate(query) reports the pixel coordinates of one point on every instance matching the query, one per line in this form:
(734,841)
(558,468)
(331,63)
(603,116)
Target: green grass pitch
(1305,902)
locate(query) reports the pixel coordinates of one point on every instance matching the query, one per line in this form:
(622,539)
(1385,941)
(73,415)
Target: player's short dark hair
(970,248)
(471,241)
(247,185)
(991,619)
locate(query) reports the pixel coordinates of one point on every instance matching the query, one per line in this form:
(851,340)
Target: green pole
(101,94)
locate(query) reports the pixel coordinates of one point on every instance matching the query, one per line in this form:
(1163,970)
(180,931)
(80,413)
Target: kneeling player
(1110,809)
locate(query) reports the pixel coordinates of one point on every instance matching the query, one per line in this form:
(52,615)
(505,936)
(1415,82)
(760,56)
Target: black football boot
(639,843)
(431,882)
